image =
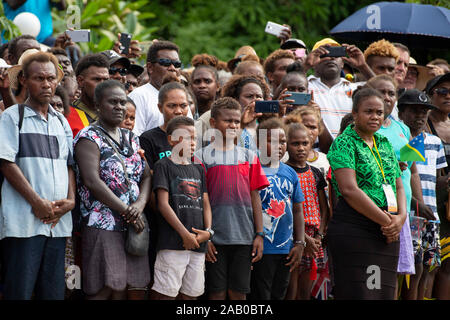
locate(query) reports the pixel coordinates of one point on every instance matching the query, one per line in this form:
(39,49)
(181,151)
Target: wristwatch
(211,233)
(261,234)
(302,242)
(321,235)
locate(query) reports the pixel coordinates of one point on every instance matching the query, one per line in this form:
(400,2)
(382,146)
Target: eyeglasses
(167,62)
(121,71)
(442,91)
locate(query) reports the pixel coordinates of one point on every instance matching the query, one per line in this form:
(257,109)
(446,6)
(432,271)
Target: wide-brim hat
(240,55)
(435,81)
(423,75)
(14,71)
(414,97)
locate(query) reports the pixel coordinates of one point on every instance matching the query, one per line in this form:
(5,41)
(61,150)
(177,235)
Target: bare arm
(189,239)
(356,198)
(258,242)
(87,155)
(392,231)
(324,211)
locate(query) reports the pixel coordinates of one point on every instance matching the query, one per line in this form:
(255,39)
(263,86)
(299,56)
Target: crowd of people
(164,182)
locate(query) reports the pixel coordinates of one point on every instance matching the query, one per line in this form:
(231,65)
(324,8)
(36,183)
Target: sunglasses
(442,91)
(167,62)
(121,71)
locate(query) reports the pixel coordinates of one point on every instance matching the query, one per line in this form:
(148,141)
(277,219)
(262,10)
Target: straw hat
(423,74)
(240,55)
(14,71)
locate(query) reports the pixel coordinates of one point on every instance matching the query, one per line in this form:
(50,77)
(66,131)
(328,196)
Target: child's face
(175,104)
(228,122)
(183,141)
(415,117)
(298,146)
(311,122)
(276,146)
(130,116)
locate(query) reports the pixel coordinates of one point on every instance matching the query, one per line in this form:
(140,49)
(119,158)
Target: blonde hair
(307,111)
(382,48)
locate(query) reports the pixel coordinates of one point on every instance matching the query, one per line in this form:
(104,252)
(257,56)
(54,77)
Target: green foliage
(10,29)
(216,27)
(221,27)
(106,18)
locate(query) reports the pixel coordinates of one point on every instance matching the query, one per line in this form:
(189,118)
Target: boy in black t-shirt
(184,222)
(172,102)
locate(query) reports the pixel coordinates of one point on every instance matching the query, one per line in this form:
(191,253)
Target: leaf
(90,10)
(131,22)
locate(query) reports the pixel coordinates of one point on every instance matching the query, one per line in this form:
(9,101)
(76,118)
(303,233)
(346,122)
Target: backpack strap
(21,115)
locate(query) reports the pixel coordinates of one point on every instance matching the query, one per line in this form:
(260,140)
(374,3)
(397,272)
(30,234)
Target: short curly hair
(233,87)
(382,48)
(205,59)
(269,63)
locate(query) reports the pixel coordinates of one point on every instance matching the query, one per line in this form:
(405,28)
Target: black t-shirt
(155,144)
(318,175)
(186,185)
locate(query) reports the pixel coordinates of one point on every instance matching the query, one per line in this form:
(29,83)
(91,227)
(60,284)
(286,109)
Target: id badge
(391,198)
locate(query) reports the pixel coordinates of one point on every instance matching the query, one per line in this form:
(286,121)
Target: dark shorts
(34,265)
(270,278)
(231,271)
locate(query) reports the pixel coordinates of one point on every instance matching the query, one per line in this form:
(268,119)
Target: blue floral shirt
(95,213)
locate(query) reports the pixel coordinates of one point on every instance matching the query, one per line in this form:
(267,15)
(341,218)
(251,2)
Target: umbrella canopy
(415,25)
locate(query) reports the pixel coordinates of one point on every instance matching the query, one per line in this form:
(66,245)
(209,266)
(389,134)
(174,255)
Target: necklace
(316,155)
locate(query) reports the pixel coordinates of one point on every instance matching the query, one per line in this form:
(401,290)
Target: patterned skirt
(107,264)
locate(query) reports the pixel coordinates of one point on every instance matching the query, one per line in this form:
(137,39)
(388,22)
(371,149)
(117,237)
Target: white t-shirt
(148,115)
(334,102)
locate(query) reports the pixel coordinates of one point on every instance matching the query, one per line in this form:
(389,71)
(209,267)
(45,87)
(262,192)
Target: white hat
(3,64)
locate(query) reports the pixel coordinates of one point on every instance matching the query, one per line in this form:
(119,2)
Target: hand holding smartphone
(274,28)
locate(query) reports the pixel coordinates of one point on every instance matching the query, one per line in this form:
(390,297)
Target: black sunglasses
(121,71)
(167,62)
(442,91)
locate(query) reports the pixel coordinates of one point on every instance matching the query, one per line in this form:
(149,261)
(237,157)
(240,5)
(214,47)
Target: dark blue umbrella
(415,25)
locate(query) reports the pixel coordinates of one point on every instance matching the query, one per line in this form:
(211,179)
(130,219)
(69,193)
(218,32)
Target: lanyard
(380,164)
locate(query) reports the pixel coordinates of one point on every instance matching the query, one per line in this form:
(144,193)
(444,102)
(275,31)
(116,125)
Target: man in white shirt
(162,60)
(331,92)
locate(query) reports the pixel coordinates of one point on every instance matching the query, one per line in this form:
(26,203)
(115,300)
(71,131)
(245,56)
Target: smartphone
(82,35)
(300,98)
(274,28)
(125,39)
(335,52)
(269,106)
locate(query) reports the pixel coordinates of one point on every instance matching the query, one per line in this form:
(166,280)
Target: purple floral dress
(95,214)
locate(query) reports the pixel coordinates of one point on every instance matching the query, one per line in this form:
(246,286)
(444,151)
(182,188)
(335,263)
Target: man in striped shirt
(414,106)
